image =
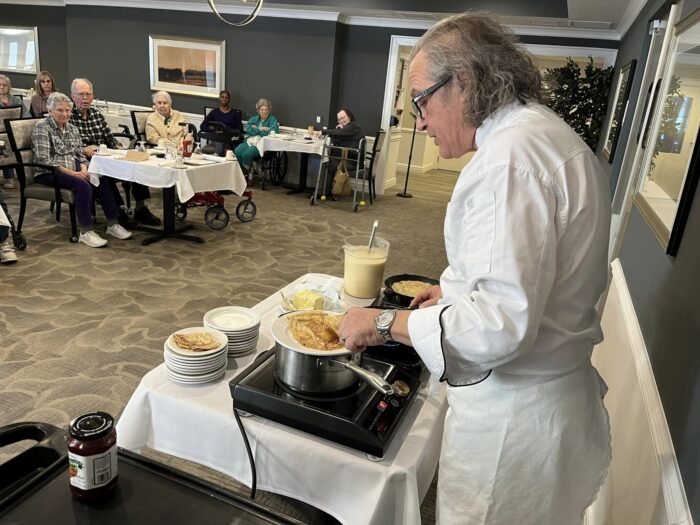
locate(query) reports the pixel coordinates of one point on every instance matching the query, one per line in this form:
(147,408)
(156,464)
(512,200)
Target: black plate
(404,300)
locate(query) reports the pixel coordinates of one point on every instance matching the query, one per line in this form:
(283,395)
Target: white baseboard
(644,478)
(403,167)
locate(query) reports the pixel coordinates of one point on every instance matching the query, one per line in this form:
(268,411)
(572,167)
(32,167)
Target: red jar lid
(93,425)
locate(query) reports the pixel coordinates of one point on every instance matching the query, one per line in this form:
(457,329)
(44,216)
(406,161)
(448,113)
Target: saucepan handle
(374,380)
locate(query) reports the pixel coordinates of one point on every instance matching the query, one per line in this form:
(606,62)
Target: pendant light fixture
(242,23)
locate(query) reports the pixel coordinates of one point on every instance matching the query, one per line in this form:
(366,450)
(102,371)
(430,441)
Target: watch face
(385,318)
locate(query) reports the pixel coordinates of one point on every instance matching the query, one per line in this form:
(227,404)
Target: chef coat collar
(496,121)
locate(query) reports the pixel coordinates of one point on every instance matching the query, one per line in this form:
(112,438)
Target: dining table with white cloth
(297,144)
(209,173)
(197,423)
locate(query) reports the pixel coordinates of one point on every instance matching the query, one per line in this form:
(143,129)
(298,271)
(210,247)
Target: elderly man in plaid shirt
(94,131)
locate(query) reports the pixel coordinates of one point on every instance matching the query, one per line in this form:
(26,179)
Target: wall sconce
(242,23)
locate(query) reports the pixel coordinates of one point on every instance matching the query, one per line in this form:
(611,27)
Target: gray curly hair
(57,98)
(263,102)
(483,58)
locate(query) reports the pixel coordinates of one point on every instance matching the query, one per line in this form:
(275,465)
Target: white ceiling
(604,19)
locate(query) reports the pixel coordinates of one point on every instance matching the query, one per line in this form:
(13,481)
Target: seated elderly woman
(347,134)
(56,143)
(44,85)
(257,127)
(8,100)
(165,122)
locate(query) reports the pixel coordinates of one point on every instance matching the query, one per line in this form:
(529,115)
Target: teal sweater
(252,127)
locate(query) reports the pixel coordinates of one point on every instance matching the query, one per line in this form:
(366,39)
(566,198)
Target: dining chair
(19,132)
(138,119)
(371,160)
(6,156)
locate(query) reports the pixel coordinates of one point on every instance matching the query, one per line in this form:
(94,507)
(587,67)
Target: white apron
(523,450)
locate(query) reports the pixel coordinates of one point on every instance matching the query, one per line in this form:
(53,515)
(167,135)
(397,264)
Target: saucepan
(399,298)
(318,371)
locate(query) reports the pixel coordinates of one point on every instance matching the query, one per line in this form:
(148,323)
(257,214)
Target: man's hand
(90,151)
(428,297)
(358,331)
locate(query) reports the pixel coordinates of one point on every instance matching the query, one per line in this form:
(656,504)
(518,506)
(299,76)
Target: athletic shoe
(116,230)
(7,253)
(92,239)
(144,216)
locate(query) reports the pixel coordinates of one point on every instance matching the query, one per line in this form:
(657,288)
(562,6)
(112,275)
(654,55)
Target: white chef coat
(526,237)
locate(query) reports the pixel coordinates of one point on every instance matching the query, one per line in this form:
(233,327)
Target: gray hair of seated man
(76,81)
(57,98)
(484,61)
(163,94)
(263,102)
(7,79)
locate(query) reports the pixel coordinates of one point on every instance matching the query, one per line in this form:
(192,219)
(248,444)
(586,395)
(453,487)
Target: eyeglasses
(83,95)
(420,99)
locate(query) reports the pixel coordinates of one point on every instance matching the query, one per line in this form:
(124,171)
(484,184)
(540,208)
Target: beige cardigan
(156,128)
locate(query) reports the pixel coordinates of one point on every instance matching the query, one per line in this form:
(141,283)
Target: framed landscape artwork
(617,117)
(188,66)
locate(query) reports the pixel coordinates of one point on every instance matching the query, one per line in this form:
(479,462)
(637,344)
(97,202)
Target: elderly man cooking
(512,323)
(94,131)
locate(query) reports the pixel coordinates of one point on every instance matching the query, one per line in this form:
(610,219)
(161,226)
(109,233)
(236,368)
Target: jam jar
(92,456)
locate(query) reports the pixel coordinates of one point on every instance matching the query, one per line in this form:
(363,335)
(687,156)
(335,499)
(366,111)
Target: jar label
(89,472)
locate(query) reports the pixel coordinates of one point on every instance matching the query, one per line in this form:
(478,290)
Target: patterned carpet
(80,326)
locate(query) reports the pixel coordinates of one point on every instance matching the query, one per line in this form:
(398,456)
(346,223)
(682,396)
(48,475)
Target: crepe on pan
(410,288)
(316,330)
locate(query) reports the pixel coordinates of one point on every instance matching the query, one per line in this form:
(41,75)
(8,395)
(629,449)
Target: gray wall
(665,293)
(289,62)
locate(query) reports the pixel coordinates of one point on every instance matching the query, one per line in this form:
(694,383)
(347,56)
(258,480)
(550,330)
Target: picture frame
(619,109)
(188,66)
(19,50)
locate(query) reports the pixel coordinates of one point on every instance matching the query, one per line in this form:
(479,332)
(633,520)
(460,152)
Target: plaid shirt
(55,147)
(93,129)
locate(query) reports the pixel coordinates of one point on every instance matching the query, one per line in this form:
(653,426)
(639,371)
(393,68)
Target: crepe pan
(398,298)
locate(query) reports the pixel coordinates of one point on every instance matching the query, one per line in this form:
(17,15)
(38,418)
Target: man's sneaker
(116,230)
(7,253)
(92,239)
(9,184)
(144,216)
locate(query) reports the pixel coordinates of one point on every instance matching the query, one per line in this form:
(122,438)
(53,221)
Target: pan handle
(374,380)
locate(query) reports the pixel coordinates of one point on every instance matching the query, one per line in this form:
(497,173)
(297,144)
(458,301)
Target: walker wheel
(216,217)
(246,210)
(363,203)
(19,241)
(354,207)
(180,212)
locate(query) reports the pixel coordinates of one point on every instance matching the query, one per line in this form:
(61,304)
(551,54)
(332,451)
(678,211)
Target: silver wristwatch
(383,322)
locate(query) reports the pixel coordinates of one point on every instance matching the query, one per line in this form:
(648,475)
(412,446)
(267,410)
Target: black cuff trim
(444,361)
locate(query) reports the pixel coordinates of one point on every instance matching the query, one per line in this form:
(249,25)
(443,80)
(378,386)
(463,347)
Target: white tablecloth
(314,146)
(3,218)
(158,173)
(197,423)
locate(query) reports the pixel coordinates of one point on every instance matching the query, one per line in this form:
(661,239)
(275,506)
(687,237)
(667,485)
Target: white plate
(281,334)
(195,372)
(218,336)
(190,362)
(232,319)
(194,380)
